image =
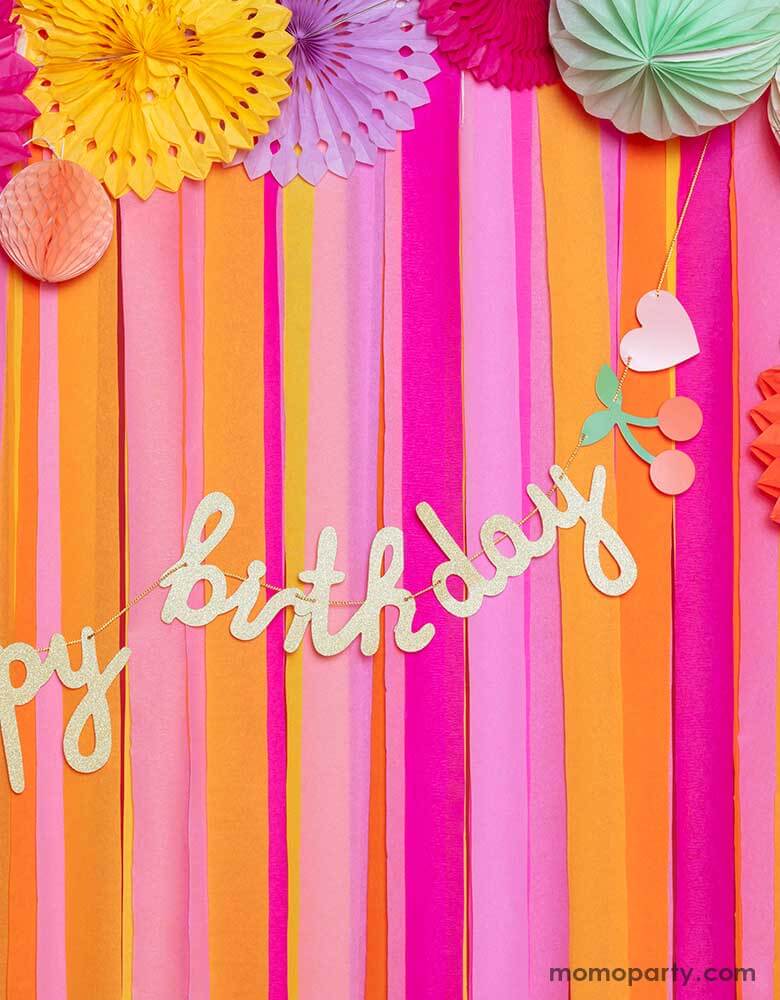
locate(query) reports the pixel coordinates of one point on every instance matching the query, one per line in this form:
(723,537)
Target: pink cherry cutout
(680,418)
(672,472)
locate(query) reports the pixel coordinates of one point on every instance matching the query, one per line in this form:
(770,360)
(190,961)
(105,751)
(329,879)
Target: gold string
(120,614)
(683,213)
(534,510)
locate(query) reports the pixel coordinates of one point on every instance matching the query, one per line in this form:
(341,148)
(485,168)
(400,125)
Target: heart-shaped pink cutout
(665,337)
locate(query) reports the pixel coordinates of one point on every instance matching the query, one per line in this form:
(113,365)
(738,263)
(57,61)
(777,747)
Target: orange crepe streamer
(571,169)
(90,532)
(376,923)
(645,524)
(236,688)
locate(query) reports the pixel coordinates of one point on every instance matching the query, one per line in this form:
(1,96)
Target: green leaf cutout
(606,386)
(597,426)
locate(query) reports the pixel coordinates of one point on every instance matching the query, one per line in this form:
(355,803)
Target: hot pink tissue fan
(504,42)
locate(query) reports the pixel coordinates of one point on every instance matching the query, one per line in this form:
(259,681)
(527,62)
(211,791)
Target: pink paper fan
(359,70)
(16,110)
(502,41)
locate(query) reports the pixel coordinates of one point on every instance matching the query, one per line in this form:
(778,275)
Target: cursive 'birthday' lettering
(311,610)
(504,545)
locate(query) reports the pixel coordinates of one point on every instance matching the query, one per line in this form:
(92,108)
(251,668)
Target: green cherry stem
(629,418)
(632,442)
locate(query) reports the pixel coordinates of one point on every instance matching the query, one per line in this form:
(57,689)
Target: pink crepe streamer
(703,689)
(359,70)
(16,110)
(503,42)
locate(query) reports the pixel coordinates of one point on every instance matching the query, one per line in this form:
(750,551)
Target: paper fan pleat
(358,74)
(666,67)
(146,92)
(503,42)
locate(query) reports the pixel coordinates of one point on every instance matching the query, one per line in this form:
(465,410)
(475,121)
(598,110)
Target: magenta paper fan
(505,42)
(16,110)
(359,70)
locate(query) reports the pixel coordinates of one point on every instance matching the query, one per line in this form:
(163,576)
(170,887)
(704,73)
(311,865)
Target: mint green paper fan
(666,67)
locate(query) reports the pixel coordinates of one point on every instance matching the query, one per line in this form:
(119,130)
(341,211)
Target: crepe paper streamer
(766,447)
(666,67)
(16,110)
(56,221)
(498,689)
(756,208)
(704,833)
(503,42)
(158,709)
(145,94)
(359,70)
(679,419)
(664,338)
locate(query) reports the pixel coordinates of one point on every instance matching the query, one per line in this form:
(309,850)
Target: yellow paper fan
(146,92)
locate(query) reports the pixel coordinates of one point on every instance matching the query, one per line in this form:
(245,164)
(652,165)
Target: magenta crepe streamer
(433,469)
(49,799)
(274,557)
(703,590)
(192,202)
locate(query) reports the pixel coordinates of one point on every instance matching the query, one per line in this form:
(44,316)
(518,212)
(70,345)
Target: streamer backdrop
(535,789)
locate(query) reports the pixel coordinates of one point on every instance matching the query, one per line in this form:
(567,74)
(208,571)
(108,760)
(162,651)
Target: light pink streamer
(393,515)
(364,197)
(757,182)
(157,677)
(549,899)
(50,821)
(496,636)
(193,233)
(341,491)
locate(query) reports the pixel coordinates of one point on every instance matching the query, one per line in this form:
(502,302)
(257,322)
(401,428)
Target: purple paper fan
(359,70)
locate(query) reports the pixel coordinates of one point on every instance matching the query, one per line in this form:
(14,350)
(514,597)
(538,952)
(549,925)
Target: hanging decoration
(766,447)
(665,336)
(56,220)
(503,42)
(143,93)
(359,71)
(311,610)
(671,472)
(16,110)
(666,67)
